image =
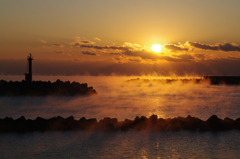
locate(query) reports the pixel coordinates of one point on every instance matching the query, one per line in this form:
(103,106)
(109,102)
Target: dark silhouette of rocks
(21,125)
(215,80)
(228,80)
(43,88)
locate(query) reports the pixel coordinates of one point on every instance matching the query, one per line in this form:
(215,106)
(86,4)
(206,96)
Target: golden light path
(156,48)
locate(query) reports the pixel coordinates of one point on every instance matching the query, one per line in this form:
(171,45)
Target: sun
(156,48)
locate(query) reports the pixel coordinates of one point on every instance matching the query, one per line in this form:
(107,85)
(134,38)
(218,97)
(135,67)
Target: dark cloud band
(88,53)
(222,47)
(175,48)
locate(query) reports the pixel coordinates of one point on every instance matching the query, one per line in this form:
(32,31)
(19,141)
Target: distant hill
(43,88)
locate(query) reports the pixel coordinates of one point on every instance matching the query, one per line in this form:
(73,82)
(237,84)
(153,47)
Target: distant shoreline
(214,80)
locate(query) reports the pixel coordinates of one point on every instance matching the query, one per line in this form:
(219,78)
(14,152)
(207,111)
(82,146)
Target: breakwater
(215,80)
(43,88)
(59,123)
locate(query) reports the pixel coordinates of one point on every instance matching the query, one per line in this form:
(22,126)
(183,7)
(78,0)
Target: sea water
(124,100)
(130,144)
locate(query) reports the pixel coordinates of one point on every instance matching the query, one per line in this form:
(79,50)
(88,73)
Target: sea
(120,99)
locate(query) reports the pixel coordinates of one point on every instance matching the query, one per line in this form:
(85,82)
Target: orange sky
(115,37)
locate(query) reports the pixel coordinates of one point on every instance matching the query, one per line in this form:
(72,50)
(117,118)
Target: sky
(103,37)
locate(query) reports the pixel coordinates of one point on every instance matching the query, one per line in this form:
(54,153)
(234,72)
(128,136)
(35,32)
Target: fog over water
(119,99)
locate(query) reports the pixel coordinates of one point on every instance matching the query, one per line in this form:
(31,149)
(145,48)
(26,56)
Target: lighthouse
(28,76)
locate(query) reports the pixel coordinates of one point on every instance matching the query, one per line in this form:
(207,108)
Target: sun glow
(156,48)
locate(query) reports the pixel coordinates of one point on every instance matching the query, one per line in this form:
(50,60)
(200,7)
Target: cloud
(79,42)
(143,54)
(178,58)
(185,57)
(88,53)
(199,56)
(174,48)
(128,49)
(133,46)
(146,55)
(228,47)
(114,53)
(134,60)
(43,41)
(222,47)
(124,47)
(203,46)
(131,51)
(120,60)
(136,50)
(97,39)
(99,47)
(86,41)
(58,45)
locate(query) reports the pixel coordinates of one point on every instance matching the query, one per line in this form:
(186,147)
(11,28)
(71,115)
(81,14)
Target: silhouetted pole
(30,65)
(28,77)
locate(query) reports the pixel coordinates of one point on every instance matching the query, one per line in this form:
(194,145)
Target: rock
(216,124)
(21,125)
(108,124)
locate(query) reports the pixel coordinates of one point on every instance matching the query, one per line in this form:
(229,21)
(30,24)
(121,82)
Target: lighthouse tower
(28,76)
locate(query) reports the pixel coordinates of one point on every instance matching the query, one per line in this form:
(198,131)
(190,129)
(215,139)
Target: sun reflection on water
(144,154)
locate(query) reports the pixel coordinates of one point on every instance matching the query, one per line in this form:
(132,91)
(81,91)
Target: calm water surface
(122,100)
(131,144)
